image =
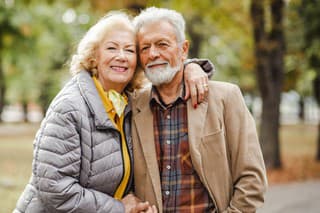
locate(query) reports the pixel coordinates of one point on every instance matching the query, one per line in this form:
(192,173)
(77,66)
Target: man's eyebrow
(144,43)
(157,41)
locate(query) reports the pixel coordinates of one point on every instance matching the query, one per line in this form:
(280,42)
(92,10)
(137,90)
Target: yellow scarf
(118,101)
(115,103)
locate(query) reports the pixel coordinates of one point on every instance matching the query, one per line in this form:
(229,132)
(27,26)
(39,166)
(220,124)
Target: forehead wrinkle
(154,28)
(118,43)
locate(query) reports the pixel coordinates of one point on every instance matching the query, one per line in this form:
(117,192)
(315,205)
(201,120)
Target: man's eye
(163,44)
(110,48)
(144,49)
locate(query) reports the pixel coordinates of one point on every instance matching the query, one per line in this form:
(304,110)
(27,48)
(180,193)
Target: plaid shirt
(182,190)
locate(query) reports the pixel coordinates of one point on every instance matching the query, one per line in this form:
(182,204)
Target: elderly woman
(83,151)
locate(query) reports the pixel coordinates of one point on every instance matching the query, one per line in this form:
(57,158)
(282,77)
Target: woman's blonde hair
(85,56)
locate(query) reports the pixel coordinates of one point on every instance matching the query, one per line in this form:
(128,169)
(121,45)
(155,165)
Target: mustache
(156,63)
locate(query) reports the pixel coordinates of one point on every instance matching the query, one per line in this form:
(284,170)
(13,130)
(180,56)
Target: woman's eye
(130,50)
(110,48)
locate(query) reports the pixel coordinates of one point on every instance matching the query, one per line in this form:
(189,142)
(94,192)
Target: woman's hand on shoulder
(196,84)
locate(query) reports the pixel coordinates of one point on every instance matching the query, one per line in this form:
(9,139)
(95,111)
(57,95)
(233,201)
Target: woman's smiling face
(117,58)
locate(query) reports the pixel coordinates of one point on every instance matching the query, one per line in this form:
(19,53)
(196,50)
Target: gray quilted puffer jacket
(77,163)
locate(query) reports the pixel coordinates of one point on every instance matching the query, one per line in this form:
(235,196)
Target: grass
(15,162)
(298,145)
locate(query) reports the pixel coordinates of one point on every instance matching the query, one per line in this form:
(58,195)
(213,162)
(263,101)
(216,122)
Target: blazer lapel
(196,122)
(144,123)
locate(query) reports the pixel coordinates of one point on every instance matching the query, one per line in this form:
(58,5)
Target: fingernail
(195,106)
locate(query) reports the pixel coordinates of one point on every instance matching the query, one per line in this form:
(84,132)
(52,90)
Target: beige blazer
(224,149)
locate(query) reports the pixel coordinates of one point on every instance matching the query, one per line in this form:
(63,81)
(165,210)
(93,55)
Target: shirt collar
(105,99)
(155,97)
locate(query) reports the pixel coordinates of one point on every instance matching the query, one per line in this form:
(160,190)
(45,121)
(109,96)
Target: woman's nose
(121,54)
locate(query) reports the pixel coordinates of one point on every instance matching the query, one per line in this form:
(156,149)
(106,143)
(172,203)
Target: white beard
(159,76)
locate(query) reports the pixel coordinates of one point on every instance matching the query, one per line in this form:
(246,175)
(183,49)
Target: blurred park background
(270,48)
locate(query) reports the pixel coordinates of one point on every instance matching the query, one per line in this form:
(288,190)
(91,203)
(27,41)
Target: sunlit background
(37,40)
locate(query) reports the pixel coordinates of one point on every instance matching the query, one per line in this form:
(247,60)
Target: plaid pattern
(182,190)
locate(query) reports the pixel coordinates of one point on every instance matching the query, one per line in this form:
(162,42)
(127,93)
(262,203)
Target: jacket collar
(196,126)
(143,119)
(91,96)
(156,98)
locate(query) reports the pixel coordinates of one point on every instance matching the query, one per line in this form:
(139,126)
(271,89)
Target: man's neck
(170,91)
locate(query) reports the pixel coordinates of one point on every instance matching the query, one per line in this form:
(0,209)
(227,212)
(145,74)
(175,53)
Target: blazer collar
(144,122)
(196,126)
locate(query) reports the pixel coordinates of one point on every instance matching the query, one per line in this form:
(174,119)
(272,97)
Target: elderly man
(190,160)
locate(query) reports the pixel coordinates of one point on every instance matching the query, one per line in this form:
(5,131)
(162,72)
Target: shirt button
(168,167)
(168,117)
(168,141)
(167,192)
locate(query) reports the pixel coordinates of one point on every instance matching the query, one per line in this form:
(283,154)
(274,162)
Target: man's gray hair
(153,14)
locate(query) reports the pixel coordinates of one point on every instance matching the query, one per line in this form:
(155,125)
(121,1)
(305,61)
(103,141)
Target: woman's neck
(112,86)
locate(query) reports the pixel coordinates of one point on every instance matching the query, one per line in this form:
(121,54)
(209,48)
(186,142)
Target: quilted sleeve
(57,159)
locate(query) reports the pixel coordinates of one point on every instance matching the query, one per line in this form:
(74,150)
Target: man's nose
(154,52)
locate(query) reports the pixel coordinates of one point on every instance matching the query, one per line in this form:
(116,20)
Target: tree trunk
(25,111)
(318,144)
(301,108)
(316,89)
(269,131)
(2,88)
(269,53)
(195,37)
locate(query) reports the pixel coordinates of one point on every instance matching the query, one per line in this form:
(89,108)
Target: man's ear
(185,49)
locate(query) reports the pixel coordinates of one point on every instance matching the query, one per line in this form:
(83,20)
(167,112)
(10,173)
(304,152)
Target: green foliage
(37,42)
(296,65)
(310,10)
(37,39)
